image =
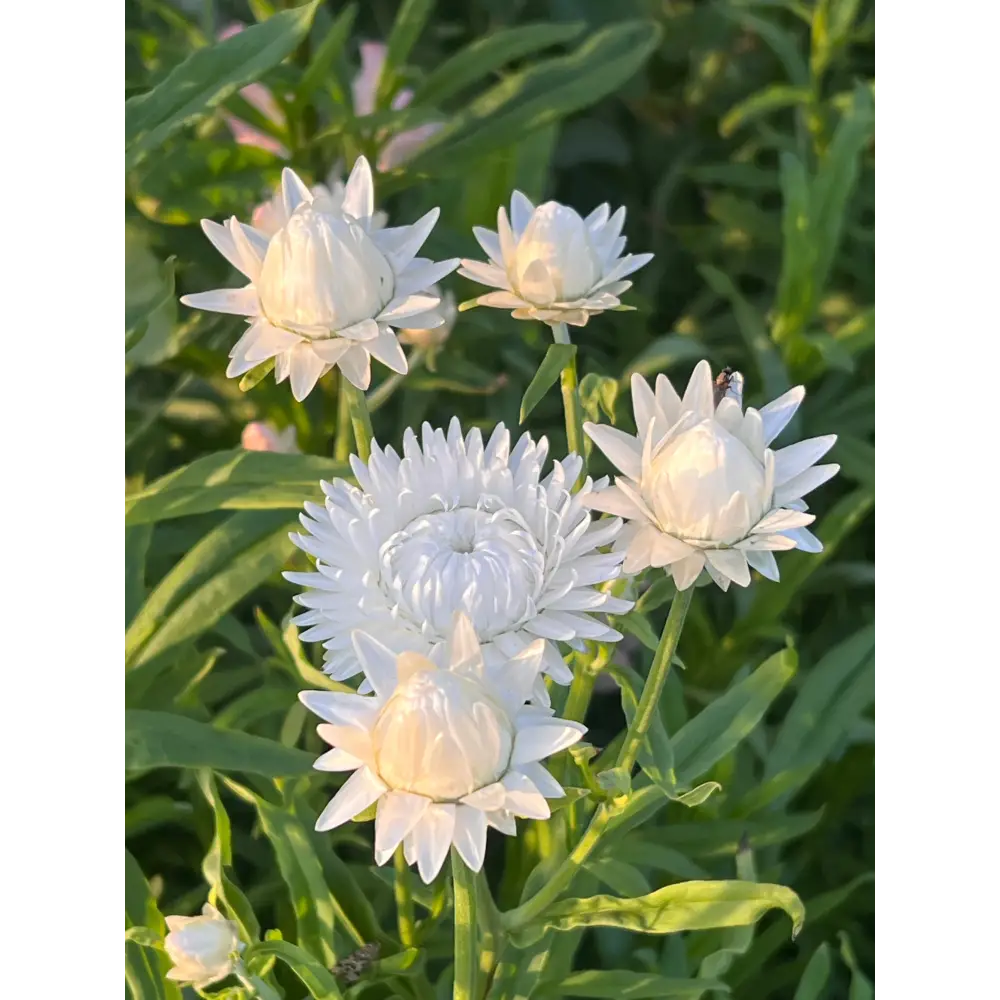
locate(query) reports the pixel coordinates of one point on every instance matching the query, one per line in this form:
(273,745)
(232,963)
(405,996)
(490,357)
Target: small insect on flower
(351,968)
(728,383)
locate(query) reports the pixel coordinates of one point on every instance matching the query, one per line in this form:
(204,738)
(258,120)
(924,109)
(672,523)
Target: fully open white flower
(203,949)
(552,265)
(327,288)
(444,746)
(456,525)
(702,489)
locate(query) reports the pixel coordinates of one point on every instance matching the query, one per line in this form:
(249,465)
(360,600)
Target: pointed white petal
(763,562)
(357,793)
(542,780)
(465,654)
(800,485)
(501,300)
(731,563)
(668,400)
(490,243)
(338,708)
(804,539)
(699,396)
(305,369)
(356,366)
(612,501)
(377,661)
(779,412)
(398,813)
(233,301)
(796,458)
(404,308)
(470,836)
(488,798)
(687,570)
(432,836)
(666,549)
(544,738)
(622,449)
(521,210)
(502,820)
(485,274)
(359,192)
(331,351)
(385,348)
(337,760)
(782,519)
(523,798)
(360,332)
(293,191)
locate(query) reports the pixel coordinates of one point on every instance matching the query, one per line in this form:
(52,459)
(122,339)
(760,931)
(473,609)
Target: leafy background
(739,135)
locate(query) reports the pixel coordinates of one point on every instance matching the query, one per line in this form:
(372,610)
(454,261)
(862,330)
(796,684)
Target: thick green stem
(571,401)
(492,936)
(466,957)
(361,422)
(649,702)
(404,901)
(342,438)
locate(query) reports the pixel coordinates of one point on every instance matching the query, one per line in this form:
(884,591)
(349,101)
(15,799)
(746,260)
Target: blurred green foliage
(739,135)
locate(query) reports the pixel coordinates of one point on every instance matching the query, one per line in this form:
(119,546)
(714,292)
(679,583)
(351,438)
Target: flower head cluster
(552,265)
(328,288)
(444,749)
(701,487)
(456,524)
(203,949)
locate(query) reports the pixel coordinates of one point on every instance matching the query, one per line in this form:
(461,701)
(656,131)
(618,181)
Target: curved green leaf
(161,739)
(557,357)
(208,76)
(687,906)
(623,985)
(234,480)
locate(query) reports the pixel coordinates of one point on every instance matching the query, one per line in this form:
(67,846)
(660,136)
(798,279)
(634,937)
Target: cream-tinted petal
(686,571)
(356,794)
(397,814)
(359,192)
(533,743)
(470,836)
(377,661)
(731,563)
(432,837)
(490,243)
(699,396)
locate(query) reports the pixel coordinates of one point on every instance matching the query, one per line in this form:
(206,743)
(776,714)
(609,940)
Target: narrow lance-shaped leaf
(557,357)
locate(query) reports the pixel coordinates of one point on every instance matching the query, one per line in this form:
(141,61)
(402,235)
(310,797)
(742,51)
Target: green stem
(404,900)
(649,702)
(563,875)
(466,958)
(361,422)
(492,935)
(378,397)
(259,990)
(571,402)
(342,440)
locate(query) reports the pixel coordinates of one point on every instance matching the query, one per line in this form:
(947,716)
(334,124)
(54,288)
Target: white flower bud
(557,238)
(201,948)
(442,735)
(322,273)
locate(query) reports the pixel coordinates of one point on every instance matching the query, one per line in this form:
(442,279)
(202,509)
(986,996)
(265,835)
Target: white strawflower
(429,339)
(456,525)
(203,949)
(702,489)
(552,265)
(264,436)
(327,288)
(444,749)
(271,215)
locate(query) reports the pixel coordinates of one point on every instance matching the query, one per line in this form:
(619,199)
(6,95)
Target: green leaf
(861,987)
(751,325)
(622,985)
(234,480)
(814,979)
(637,625)
(618,875)
(663,353)
(207,77)
(661,858)
(406,29)
(772,98)
(145,969)
(321,65)
(656,596)
(303,874)
(782,42)
(721,838)
(557,357)
(136,546)
(698,795)
(486,55)
(208,601)
(720,727)
(151,334)
(161,739)
(218,861)
(538,96)
(214,553)
(831,698)
(319,981)
(688,906)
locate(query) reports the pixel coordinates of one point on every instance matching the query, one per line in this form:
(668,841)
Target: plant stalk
(404,901)
(466,957)
(571,403)
(361,421)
